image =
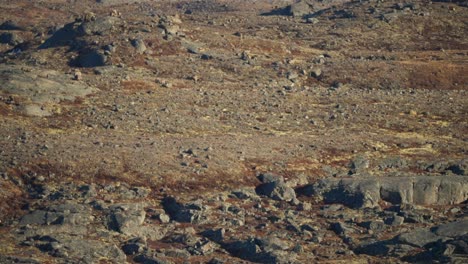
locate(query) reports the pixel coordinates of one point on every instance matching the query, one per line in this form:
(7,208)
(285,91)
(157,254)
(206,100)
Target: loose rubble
(233,131)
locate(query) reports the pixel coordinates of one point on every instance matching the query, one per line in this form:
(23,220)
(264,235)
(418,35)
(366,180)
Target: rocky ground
(216,131)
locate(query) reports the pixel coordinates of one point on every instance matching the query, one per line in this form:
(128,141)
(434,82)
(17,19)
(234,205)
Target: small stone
(164,218)
(77,76)
(312,20)
(395,220)
(139,45)
(40,178)
(316,73)
(305,206)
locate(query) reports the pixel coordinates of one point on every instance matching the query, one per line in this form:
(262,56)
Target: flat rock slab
(419,237)
(39,90)
(453,229)
(367,192)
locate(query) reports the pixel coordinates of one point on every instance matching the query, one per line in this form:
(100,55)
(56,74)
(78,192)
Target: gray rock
(114,2)
(134,246)
(435,239)
(419,237)
(453,229)
(100,26)
(367,192)
(88,251)
(390,17)
(177,253)
(316,73)
(245,193)
(268,250)
(216,235)
(272,243)
(379,248)
(375,226)
(312,20)
(395,220)
(93,251)
(215,261)
(342,229)
(459,168)
(394,162)
(40,88)
(88,191)
(274,187)
(397,190)
(164,218)
(190,213)
(17,260)
(64,36)
(132,193)
(63,214)
(300,9)
(359,164)
(147,259)
(10,25)
(192,47)
(385,248)
(70,207)
(110,48)
(270,177)
(412,214)
(37,217)
(350,192)
(139,45)
(249,250)
(170,25)
(91,59)
(10,38)
(203,247)
(126,218)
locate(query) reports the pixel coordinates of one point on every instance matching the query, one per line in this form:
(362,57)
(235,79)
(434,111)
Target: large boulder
(300,9)
(430,240)
(99,26)
(185,213)
(369,191)
(274,187)
(265,250)
(91,59)
(126,218)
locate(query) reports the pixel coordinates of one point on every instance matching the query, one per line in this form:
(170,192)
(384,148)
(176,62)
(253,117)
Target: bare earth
(218,131)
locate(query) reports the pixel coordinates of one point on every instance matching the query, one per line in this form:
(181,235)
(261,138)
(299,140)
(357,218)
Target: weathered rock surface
(351,113)
(368,192)
(189,213)
(268,250)
(40,90)
(90,59)
(274,187)
(437,244)
(300,8)
(98,26)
